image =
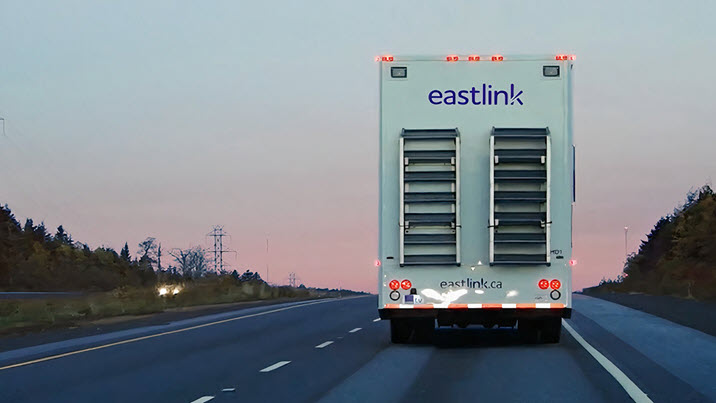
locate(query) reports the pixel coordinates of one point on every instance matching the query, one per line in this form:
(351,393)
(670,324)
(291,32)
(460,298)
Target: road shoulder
(122,323)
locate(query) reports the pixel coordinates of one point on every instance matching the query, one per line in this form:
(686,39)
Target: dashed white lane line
(275,366)
(324,344)
(203,399)
(228,390)
(376,320)
(630,387)
(355,330)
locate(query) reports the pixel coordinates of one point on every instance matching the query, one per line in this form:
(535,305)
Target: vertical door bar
(492,199)
(458,225)
(548,219)
(401,223)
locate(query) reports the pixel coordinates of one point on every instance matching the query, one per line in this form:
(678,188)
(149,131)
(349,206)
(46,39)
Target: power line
(217,232)
(292,279)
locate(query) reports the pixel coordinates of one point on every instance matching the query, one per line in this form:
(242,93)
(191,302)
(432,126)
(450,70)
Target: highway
(339,351)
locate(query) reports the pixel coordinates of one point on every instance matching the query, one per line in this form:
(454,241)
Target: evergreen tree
(124,254)
(63,237)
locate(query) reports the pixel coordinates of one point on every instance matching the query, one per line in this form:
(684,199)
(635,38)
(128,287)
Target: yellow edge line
(151,336)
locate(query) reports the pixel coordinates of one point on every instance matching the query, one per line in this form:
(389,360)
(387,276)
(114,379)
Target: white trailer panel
(476,190)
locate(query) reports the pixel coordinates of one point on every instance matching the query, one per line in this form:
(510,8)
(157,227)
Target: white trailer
(476,193)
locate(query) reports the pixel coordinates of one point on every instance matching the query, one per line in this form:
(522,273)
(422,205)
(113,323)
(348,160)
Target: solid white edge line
(355,330)
(376,320)
(203,399)
(324,344)
(275,366)
(629,386)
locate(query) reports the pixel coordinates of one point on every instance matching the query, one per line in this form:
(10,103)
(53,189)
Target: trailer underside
(535,325)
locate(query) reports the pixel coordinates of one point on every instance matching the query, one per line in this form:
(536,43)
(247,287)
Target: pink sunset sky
(136,119)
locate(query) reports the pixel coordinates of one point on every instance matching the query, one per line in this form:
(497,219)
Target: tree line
(678,256)
(33,259)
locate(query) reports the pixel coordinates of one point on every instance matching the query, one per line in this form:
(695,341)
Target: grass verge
(18,316)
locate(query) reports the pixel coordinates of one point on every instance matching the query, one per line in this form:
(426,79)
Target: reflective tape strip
(542,305)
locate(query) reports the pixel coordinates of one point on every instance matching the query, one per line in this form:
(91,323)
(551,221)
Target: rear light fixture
(386,58)
(565,57)
(406,284)
(473,58)
(573,262)
(377,263)
(394,284)
(497,58)
(555,284)
(543,284)
(452,58)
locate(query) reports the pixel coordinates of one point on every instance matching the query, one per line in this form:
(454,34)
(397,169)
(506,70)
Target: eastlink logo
(471,283)
(483,95)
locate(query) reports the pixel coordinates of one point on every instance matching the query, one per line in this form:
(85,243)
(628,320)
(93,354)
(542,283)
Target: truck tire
(400,331)
(528,329)
(423,330)
(550,330)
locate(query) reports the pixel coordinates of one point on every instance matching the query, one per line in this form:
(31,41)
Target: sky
(131,119)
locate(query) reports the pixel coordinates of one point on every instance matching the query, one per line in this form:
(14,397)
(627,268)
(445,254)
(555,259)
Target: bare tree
(190,262)
(148,250)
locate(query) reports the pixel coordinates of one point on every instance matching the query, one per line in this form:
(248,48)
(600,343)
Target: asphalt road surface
(339,351)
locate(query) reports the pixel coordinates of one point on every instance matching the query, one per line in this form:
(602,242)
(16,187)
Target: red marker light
(387,58)
(452,58)
(573,262)
(377,263)
(561,57)
(497,58)
(394,285)
(572,57)
(406,284)
(473,58)
(543,284)
(555,284)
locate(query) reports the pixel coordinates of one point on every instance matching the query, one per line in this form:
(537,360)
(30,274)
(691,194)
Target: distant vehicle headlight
(176,290)
(163,291)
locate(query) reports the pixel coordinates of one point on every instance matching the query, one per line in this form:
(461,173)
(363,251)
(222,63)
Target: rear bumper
(484,313)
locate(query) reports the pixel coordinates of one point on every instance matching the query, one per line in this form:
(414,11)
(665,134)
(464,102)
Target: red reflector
(377,263)
(555,284)
(452,58)
(573,262)
(473,58)
(497,58)
(543,284)
(394,285)
(387,58)
(406,284)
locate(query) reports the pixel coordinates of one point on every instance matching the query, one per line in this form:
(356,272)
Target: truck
(477,190)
